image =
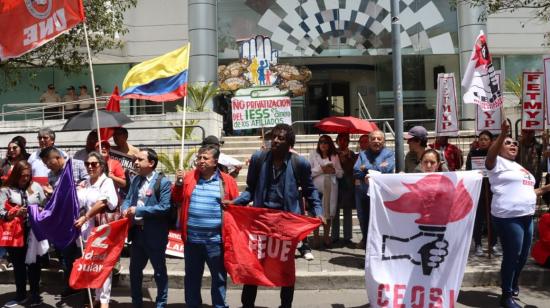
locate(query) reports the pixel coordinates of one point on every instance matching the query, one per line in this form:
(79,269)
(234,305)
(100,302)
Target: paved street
(469,297)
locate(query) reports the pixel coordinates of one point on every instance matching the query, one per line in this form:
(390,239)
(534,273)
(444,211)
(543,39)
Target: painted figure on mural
(253,69)
(261,72)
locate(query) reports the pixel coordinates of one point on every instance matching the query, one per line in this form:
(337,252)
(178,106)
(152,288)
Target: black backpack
(173,212)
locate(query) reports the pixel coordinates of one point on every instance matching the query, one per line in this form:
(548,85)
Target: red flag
(27,25)
(259,244)
(102,251)
(11,232)
(112,105)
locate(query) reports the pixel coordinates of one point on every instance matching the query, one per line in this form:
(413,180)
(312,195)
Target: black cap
(97,87)
(70,88)
(211,140)
(83,87)
(51,86)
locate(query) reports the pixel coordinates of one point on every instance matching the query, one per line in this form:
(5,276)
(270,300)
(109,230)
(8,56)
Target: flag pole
(82,252)
(93,85)
(184,113)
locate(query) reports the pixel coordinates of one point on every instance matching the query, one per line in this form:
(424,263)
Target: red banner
(28,24)
(102,251)
(11,232)
(259,244)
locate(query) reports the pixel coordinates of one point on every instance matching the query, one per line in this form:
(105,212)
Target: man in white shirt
(46,139)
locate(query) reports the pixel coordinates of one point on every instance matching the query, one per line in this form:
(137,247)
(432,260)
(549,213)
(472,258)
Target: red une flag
(11,232)
(29,24)
(102,251)
(260,243)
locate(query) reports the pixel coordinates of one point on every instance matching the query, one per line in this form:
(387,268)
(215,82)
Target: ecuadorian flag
(160,79)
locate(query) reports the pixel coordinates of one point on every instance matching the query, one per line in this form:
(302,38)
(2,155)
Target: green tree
(105,23)
(541,8)
(200,94)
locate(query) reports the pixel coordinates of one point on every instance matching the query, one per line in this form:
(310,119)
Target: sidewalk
(336,268)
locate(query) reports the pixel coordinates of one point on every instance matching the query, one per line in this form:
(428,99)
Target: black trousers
(248,297)
(22,271)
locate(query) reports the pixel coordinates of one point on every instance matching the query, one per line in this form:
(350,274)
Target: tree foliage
(541,8)
(105,24)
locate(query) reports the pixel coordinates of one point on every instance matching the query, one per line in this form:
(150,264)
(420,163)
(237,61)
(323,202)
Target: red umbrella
(350,125)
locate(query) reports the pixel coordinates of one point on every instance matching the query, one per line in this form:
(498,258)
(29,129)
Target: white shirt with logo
(513,190)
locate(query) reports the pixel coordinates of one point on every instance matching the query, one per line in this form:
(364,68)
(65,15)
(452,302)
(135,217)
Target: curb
(354,279)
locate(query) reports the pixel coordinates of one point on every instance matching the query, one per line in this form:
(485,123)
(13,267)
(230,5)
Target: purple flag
(56,221)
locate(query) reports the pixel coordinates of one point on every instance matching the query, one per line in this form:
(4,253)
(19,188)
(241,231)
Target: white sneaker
(309,256)
(479,251)
(14,303)
(497,252)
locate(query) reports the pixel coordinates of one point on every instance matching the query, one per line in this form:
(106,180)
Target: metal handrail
(363,108)
(42,107)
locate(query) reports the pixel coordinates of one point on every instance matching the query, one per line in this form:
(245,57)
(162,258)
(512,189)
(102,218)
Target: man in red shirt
(450,152)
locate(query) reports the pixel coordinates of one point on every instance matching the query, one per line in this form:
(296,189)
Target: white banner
(546,62)
(250,112)
(446,111)
(532,117)
(479,83)
(419,236)
(489,119)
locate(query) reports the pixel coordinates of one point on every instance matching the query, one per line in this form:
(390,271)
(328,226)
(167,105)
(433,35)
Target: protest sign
(489,119)
(175,244)
(419,236)
(250,112)
(126,161)
(446,111)
(546,62)
(532,117)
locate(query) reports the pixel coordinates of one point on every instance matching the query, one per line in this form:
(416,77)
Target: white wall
(518,32)
(155,27)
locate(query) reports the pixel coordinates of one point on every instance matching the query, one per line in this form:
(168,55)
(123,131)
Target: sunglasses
(93,164)
(510,142)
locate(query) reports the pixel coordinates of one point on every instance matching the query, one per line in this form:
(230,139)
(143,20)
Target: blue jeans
(142,250)
(195,257)
(515,235)
(362,204)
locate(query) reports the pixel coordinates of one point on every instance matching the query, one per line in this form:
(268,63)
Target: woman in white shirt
(97,195)
(512,209)
(325,170)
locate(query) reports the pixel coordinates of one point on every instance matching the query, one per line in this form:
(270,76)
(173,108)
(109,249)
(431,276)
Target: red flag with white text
(102,251)
(27,24)
(479,84)
(259,244)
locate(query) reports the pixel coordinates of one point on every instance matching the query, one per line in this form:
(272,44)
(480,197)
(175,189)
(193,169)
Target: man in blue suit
(149,232)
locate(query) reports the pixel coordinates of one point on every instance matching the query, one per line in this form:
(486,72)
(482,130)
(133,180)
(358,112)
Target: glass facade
(347,46)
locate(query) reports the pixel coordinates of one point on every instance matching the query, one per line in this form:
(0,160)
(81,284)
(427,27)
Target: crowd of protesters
(334,179)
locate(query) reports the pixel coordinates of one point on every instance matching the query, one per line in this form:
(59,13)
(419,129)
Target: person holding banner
(272,182)
(476,161)
(21,191)
(512,209)
(430,161)
(326,171)
(149,232)
(97,195)
(201,196)
(376,158)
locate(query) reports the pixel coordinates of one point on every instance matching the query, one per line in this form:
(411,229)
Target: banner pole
(93,84)
(184,112)
(82,252)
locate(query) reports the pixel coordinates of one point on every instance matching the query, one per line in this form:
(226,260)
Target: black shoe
(68,292)
(507,301)
(36,301)
(515,292)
